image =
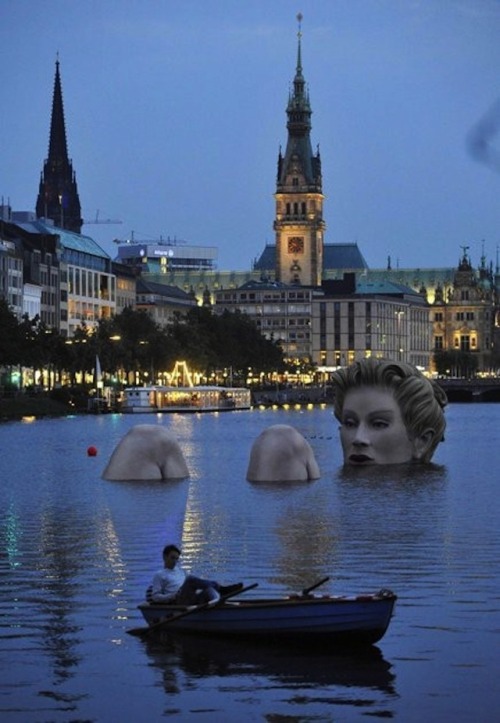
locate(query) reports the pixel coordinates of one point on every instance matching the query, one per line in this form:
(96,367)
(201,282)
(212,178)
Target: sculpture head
(389,412)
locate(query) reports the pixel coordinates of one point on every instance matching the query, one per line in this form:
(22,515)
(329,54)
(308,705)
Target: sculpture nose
(361,437)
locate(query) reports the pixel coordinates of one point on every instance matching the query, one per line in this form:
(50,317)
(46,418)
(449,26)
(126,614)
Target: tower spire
(58,192)
(299,224)
(58,149)
(299,49)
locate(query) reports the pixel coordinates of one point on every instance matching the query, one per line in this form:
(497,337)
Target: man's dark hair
(170,548)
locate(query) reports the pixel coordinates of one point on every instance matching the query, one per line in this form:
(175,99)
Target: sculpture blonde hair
(420,400)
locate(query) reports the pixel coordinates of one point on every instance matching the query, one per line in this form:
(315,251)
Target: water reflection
(418,474)
(257,664)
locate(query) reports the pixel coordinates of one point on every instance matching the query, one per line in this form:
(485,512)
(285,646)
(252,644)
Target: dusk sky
(175,112)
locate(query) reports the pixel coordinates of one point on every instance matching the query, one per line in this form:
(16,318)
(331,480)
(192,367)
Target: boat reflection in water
(258,663)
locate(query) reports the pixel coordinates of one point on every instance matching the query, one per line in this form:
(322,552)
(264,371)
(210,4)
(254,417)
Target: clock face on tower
(296,245)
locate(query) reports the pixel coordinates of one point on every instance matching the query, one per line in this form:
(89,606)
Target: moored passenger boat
(185,399)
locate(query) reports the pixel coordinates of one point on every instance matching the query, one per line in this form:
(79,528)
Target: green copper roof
(69,239)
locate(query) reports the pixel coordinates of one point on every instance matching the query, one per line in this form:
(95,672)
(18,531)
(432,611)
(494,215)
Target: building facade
(161,257)
(74,275)
(380,320)
(163,303)
(281,312)
(11,273)
(465,319)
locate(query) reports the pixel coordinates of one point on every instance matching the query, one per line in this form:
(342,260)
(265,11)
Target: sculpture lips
(360,459)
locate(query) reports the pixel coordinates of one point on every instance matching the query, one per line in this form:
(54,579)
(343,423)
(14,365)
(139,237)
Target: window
(438,316)
(438,343)
(465,343)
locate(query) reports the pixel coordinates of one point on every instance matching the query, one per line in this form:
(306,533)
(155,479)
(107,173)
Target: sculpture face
(372,429)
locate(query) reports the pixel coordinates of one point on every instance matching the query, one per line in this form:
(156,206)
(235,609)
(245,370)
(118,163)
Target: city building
(126,285)
(11,267)
(465,319)
(281,312)
(162,256)
(73,272)
(353,320)
(163,303)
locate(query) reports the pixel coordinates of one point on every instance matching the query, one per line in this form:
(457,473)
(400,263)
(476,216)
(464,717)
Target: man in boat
(281,454)
(172,585)
(147,452)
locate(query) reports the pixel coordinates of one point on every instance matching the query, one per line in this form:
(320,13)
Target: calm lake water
(77,554)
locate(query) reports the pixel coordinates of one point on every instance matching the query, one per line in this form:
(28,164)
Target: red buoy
(92,451)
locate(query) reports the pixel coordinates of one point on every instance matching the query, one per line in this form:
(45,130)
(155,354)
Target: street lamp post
(399,314)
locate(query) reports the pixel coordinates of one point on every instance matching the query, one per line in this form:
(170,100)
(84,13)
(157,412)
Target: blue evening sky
(175,111)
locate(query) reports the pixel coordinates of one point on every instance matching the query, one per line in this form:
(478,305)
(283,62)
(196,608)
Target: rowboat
(360,619)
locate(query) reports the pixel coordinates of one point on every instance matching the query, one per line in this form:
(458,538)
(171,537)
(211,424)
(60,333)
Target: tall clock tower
(299,224)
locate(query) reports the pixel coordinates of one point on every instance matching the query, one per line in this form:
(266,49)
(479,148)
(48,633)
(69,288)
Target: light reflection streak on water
(13,532)
(109,545)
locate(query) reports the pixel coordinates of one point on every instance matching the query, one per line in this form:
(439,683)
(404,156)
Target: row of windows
(84,311)
(44,278)
(282,322)
(276,296)
(464,342)
(91,284)
(48,298)
(87,261)
(459,316)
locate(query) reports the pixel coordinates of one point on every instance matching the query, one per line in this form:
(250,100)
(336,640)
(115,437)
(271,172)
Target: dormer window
(295,181)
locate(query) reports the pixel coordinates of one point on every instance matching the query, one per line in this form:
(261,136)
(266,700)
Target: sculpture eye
(349,422)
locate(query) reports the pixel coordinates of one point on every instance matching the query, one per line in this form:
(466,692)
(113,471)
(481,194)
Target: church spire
(58,149)
(58,193)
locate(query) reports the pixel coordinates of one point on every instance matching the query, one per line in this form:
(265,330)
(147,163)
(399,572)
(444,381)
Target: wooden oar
(313,587)
(184,613)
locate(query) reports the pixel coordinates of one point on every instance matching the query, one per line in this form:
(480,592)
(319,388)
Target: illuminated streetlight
(399,314)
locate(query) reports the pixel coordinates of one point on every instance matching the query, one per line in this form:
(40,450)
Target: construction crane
(105,220)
